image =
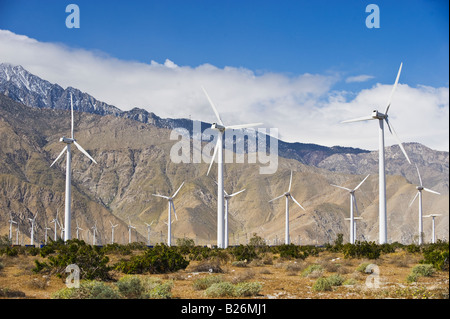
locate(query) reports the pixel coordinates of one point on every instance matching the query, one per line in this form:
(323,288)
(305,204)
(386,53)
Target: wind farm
(235,158)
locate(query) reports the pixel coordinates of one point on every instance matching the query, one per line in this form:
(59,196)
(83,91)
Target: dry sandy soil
(281,279)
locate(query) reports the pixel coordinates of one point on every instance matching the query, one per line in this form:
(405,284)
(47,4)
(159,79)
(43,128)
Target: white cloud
(304,108)
(359,78)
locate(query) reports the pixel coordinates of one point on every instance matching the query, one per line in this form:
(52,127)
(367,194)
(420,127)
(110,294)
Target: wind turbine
(112,231)
(171,205)
(352,204)
(227,198)
(433,237)
(420,188)
(381,117)
(218,150)
(78,229)
(32,220)
(353,226)
(11,221)
(148,231)
(46,232)
(68,196)
(129,230)
(55,221)
(94,231)
(287,195)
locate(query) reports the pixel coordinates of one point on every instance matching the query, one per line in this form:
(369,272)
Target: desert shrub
(314,270)
(362,267)
(161,259)
(220,289)
(89,289)
(436,254)
(239,263)
(91,261)
(206,282)
(10,251)
(159,290)
(336,280)
(247,289)
(242,252)
(350,282)
(413,248)
(292,251)
(322,284)
(10,293)
(362,249)
(425,270)
(130,287)
(117,249)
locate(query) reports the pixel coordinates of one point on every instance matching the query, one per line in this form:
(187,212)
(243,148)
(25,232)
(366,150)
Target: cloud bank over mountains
(305,108)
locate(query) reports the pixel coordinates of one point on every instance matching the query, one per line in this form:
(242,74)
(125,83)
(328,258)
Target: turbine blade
(393,88)
(296,202)
(71,111)
(431,191)
(60,154)
(420,179)
(157,195)
(177,190)
(235,127)
(347,189)
(84,152)
(398,140)
(276,198)
(213,157)
(413,199)
(290,182)
(174,211)
(364,118)
(237,193)
(213,107)
(361,183)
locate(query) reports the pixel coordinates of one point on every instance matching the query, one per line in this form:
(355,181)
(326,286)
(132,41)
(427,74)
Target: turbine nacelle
(67,140)
(420,188)
(218,127)
(378,115)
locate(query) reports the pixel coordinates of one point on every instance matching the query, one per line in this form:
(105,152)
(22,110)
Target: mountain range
(133,148)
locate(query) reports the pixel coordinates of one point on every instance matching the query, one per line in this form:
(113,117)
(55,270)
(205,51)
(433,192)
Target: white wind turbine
(112,231)
(32,220)
(68,196)
(352,204)
(55,221)
(287,195)
(78,229)
(129,230)
(227,198)
(420,188)
(11,221)
(433,235)
(46,233)
(221,128)
(381,117)
(148,231)
(171,205)
(94,231)
(354,226)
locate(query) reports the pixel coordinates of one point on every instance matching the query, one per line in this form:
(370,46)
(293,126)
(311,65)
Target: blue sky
(304,61)
(292,37)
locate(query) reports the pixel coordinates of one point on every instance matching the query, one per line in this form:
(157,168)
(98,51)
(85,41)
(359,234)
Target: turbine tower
(433,235)
(68,196)
(227,198)
(353,226)
(32,220)
(287,195)
(420,188)
(112,231)
(352,204)
(129,230)
(218,150)
(171,205)
(78,229)
(55,221)
(381,117)
(94,231)
(11,221)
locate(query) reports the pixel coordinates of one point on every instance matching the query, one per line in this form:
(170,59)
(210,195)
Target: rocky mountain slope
(134,163)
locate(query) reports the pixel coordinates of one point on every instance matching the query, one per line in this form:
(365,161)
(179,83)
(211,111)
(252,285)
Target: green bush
(130,287)
(88,289)
(436,254)
(220,289)
(206,282)
(336,280)
(362,249)
(322,284)
(158,260)
(312,268)
(91,261)
(247,289)
(292,251)
(425,270)
(242,252)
